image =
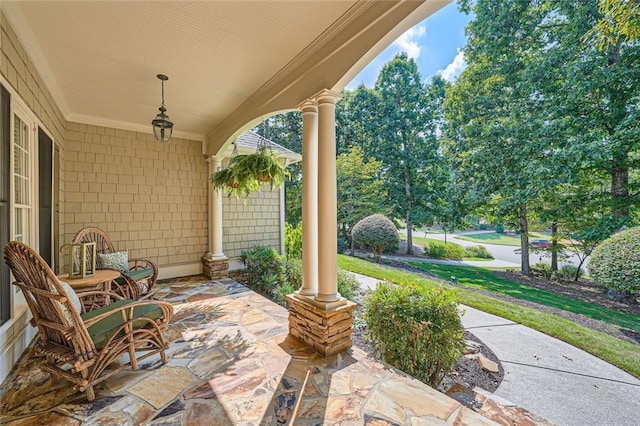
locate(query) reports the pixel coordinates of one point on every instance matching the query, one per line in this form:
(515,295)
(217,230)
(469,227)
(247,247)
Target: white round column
(327,199)
(215,213)
(309,199)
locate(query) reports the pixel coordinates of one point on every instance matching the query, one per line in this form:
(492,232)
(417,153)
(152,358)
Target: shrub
(293,241)
(348,285)
(294,272)
(615,263)
(478,251)
(376,232)
(343,245)
(281,290)
(417,332)
(265,268)
(569,272)
(542,269)
(440,250)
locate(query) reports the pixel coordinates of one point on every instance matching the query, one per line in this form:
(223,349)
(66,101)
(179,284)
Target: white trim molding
(175,271)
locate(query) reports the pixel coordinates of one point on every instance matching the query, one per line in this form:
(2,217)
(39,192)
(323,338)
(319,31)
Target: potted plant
(245,173)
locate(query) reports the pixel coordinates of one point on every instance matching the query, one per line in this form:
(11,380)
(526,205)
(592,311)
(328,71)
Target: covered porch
(232,362)
(84,90)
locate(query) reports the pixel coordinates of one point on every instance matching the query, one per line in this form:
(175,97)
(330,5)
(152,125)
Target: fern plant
(246,173)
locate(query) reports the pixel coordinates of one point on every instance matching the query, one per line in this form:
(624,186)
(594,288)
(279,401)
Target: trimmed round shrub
(615,263)
(417,331)
(376,232)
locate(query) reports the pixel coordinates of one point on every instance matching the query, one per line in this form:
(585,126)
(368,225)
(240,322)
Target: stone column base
(328,332)
(215,268)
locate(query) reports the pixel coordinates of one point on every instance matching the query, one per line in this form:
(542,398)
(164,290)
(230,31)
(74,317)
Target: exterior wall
(18,69)
(257,222)
(19,73)
(150,197)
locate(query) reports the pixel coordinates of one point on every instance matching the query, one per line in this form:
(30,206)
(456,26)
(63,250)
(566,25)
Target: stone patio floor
(231,362)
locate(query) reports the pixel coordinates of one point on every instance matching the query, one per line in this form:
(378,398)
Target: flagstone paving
(231,362)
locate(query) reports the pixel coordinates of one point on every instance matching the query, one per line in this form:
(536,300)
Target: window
(18,192)
(22,177)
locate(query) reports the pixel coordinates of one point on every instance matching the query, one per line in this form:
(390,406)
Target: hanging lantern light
(162,125)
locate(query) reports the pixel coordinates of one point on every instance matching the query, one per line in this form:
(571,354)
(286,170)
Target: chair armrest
(84,294)
(137,292)
(140,263)
(127,311)
(99,298)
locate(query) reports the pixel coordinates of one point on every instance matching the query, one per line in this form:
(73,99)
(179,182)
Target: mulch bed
(584,290)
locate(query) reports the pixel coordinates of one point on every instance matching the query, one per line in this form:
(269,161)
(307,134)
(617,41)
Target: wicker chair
(82,347)
(136,283)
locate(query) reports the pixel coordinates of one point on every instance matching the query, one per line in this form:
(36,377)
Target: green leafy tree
(408,145)
(360,190)
(552,111)
(619,22)
(357,120)
(494,129)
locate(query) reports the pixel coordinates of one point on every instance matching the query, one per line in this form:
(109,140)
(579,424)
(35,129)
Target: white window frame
(18,107)
(28,206)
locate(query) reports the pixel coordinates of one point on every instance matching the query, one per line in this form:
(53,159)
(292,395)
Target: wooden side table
(101,279)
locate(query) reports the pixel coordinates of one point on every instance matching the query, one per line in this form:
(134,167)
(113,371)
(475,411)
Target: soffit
(100,59)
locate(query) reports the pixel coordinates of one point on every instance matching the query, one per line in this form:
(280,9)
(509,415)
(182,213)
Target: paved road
(551,378)
(501,252)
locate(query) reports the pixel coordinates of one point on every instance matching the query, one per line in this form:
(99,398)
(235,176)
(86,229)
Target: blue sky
(435,43)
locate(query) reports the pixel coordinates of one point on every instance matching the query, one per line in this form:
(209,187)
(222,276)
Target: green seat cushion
(136,275)
(101,331)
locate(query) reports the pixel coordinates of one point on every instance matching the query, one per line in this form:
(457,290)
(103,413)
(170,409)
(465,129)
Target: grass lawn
(615,351)
(501,239)
(485,279)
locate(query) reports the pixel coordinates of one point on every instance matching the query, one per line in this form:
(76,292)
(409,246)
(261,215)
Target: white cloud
(408,42)
(453,70)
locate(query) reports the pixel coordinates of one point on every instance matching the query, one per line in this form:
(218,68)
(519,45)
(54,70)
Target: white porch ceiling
(100,58)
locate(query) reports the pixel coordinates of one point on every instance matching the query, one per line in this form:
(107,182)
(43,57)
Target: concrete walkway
(551,378)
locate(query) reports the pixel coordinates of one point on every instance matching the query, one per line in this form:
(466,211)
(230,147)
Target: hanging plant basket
(245,173)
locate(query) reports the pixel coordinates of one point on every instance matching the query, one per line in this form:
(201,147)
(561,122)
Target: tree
(357,120)
(565,113)
(408,143)
(360,190)
(619,22)
(495,134)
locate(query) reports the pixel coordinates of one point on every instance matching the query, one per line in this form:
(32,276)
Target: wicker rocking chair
(84,347)
(136,283)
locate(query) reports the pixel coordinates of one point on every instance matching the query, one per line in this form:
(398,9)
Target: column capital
(327,96)
(214,158)
(308,106)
